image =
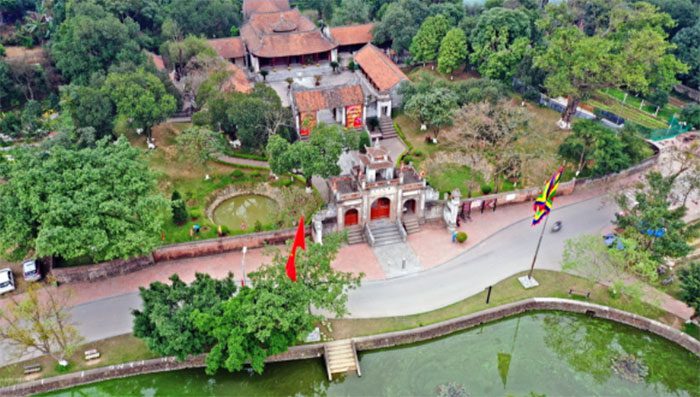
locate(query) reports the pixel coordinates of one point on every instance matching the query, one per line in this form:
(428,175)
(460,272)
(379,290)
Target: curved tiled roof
(352,34)
(304,38)
(328,98)
(380,70)
(238,81)
(228,47)
(259,6)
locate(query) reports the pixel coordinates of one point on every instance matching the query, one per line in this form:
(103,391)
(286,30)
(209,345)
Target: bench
(582,294)
(91,354)
(32,369)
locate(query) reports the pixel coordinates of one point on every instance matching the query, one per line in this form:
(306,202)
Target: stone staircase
(411,224)
(355,235)
(385,233)
(386,126)
(341,357)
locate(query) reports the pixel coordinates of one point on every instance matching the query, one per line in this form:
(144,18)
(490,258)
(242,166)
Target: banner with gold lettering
(353,116)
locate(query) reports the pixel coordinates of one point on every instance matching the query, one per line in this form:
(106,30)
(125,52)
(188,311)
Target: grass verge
(552,284)
(116,350)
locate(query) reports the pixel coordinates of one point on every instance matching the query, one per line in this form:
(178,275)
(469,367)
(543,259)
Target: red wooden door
(351,218)
(381,208)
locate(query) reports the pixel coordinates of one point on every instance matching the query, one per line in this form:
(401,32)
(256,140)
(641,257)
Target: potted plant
(289,81)
(461,237)
(335,65)
(264,74)
(318,79)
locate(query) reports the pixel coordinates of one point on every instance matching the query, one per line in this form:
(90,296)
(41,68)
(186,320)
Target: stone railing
(234,191)
(402,230)
(372,342)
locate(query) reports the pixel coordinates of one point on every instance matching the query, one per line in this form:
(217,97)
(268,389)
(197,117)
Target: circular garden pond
(244,211)
(544,353)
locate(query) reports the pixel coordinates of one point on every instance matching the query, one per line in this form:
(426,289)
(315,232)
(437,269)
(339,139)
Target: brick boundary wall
(373,342)
(193,249)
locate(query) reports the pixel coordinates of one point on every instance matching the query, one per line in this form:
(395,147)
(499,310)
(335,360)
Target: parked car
(7,281)
(30,270)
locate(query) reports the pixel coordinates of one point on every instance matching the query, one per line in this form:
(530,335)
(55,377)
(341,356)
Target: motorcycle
(556,227)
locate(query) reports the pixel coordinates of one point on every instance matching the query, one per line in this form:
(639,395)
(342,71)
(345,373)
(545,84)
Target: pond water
(552,353)
(241,212)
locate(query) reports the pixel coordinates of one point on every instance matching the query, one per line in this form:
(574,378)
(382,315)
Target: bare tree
(40,322)
(492,131)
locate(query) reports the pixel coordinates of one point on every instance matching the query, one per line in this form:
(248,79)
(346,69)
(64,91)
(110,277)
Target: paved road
(496,258)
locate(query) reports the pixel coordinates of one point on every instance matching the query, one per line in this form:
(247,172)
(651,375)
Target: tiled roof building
(379,69)
(350,38)
(344,105)
(259,6)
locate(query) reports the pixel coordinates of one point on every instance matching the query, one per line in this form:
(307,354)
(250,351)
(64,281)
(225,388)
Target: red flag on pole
(299,242)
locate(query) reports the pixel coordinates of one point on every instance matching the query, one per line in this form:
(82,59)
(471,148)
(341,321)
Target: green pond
(241,212)
(544,353)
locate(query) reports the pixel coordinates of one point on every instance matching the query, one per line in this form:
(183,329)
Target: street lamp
(245,249)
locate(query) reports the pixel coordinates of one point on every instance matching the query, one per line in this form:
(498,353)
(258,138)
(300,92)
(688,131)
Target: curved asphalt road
(507,252)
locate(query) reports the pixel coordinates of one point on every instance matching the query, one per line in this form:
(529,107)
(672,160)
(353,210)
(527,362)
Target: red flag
(299,242)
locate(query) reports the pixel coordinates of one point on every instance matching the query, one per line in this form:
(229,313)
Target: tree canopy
(166,323)
(100,203)
(317,156)
(140,97)
(351,12)
(453,51)
(433,108)
(426,43)
(499,41)
(629,51)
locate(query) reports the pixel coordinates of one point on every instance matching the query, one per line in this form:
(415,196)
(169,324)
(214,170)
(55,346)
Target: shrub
(255,174)
(407,158)
(690,285)
(364,142)
(195,214)
(486,189)
(225,230)
(237,174)
(418,153)
(257,226)
(461,237)
(178,207)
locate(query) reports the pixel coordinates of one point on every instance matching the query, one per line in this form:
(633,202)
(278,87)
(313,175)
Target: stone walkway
(241,161)
(397,260)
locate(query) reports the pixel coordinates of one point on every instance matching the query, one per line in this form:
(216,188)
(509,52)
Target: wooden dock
(341,357)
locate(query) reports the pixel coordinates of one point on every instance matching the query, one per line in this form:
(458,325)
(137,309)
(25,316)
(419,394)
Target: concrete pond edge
(372,342)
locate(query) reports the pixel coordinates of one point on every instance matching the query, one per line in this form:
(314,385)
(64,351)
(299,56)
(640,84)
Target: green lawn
(611,102)
(116,350)
(552,284)
(176,173)
(632,101)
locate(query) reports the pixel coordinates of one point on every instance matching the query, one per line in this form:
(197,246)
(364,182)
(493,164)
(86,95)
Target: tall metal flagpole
(539,242)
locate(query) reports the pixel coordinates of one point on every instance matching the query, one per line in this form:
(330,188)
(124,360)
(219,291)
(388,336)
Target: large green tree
(199,145)
(350,12)
(276,313)
(690,285)
(630,51)
(212,18)
(688,52)
(453,51)
(426,43)
(317,156)
(88,106)
(139,96)
(499,41)
(433,108)
(99,203)
(652,220)
(166,323)
(399,23)
(93,40)
(179,53)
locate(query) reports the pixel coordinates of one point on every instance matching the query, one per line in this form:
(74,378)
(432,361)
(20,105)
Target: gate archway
(409,207)
(381,208)
(352,217)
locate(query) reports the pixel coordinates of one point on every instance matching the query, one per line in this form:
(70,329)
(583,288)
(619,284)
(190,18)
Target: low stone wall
(101,270)
(193,249)
(535,304)
(380,341)
(216,246)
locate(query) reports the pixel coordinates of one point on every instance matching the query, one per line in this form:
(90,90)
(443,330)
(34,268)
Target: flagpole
(537,250)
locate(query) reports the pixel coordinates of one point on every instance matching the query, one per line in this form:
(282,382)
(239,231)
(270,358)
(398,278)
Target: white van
(7,281)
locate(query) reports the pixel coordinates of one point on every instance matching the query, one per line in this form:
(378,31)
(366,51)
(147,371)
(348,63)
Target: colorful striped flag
(543,204)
